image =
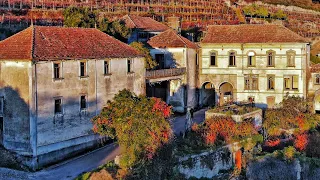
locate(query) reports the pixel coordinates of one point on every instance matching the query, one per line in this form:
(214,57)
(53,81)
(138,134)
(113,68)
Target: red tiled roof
(251,33)
(170,39)
(144,23)
(54,43)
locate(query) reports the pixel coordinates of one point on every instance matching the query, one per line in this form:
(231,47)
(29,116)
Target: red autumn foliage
(226,128)
(272,143)
(238,159)
(195,127)
(210,138)
(301,142)
(161,106)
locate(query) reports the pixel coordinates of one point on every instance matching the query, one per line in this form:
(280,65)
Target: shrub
(312,148)
(289,152)
(272,143)
(301,142)
(138,123)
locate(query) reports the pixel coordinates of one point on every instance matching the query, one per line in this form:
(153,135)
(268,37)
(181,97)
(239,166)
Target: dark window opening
(129,64)
(83,69)
(232,59)
(160,61)
(213,59)
(56,67)
(57,106)
(106,67)
(83,102)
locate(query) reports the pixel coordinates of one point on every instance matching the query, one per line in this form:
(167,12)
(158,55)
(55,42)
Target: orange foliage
(301,142)
(226,128)
(195,127)
(272,143)
(238,159)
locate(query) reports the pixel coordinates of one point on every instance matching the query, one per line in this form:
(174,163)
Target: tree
(139,124)
(149,62)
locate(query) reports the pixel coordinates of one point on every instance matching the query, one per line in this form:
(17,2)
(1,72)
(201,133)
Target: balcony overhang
(165,74)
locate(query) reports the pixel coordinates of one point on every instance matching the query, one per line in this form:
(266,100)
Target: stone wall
(207,164)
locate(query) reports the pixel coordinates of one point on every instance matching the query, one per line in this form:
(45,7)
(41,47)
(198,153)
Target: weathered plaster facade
(47,118)
(182,91)
(222,72)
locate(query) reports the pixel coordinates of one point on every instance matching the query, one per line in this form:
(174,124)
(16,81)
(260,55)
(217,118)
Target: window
(57,71)
(58,106)
(251,98)
(129,66)
(251,82)
(160,61)
(232,59)
(271,80)
(291,58)
(317,81)
(83,102)
(271,56)
(83,69)
(142,35)
(1,105)
(291,82)
(251,59)
(213,59)
(107,67)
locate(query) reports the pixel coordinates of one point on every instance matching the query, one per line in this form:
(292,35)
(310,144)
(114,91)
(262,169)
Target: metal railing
(161,73)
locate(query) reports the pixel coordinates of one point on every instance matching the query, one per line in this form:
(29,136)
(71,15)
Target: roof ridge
(32,41)
(131,20)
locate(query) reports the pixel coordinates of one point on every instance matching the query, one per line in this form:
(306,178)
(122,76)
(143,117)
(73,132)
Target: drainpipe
(187,74)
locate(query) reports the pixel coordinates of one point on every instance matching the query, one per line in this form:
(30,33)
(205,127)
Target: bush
(289,152)
(138,123)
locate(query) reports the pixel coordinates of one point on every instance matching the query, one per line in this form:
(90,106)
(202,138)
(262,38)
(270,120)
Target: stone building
(260,63)
(53,81)
(314,86)
(176,57)
(143,28)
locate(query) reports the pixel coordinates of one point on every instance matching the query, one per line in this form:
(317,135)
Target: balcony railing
(162,73)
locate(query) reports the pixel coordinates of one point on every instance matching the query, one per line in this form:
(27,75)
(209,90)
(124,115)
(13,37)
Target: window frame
(107,71)
(291,81)
(215,55)
(85,69)
(253,58)
(232,60)
(273,77)
(293,54)
(273,58)
(61,105)
(1,105)
(54,70)
(130,66)
(249,80)
(317,76)
(85,103)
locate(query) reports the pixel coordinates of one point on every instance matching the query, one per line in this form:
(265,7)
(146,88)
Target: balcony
(165,74)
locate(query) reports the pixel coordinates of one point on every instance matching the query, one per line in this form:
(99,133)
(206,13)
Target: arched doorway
(316,101)
(226,93)
(207,95)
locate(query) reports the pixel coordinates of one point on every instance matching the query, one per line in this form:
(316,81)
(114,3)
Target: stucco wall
(235,75)
(54,131)
(182,91)
(14,88)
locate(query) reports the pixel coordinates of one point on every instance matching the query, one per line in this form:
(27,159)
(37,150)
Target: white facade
(267,80)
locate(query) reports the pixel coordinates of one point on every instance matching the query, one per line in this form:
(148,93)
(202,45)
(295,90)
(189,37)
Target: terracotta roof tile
(170,38)
(250,34)
(53,43)
(144,23)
